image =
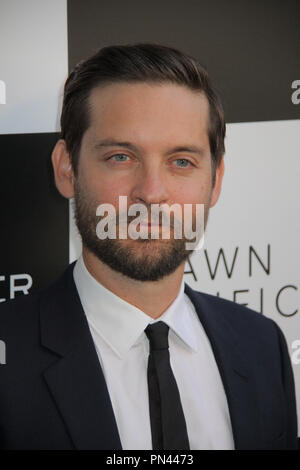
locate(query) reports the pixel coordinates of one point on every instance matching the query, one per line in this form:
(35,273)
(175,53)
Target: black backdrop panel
(34,216)
(250,48)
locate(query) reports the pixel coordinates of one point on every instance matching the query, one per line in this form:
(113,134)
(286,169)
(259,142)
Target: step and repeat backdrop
(251,49)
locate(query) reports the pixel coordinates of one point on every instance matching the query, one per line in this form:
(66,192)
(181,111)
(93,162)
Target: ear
(218,183)
(63,170)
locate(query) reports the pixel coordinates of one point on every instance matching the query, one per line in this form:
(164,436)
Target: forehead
(148,111)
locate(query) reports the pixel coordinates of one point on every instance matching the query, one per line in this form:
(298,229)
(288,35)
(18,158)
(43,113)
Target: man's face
(161,155)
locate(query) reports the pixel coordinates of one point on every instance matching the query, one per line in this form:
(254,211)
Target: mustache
(162,219)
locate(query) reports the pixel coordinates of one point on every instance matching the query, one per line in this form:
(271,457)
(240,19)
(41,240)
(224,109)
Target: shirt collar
(120,323)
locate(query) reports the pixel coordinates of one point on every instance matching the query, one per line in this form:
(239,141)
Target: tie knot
(157,334)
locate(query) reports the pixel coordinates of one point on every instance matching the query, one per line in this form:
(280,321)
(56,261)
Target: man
(84,368)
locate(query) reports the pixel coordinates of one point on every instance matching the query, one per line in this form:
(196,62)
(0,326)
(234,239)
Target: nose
(150,186)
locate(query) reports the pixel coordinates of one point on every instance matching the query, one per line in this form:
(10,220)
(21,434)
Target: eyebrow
(180,148)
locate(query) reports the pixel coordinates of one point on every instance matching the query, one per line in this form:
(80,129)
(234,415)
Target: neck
(152,297)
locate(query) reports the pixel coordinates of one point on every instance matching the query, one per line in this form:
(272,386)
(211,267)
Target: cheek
(195,201)
(198,191)
(102,188)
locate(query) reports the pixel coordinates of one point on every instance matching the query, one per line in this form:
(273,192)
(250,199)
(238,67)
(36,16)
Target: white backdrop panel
(34,64)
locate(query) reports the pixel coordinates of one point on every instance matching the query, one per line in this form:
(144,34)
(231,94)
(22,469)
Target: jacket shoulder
(25,307)
(239,316)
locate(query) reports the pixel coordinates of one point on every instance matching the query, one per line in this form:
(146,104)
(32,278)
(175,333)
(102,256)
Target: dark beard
(164,257)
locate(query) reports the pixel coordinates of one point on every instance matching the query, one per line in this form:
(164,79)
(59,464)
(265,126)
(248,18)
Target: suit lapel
(235,371)
(75,380)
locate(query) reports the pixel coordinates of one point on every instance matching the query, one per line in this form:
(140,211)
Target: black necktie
(168,427)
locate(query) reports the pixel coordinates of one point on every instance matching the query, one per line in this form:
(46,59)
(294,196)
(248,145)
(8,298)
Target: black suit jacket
(53,393)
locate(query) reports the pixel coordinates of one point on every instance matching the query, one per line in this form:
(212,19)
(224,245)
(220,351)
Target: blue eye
(120,155)
(184,161)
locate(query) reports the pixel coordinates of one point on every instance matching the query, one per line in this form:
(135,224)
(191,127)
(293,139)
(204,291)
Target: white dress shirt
(117,328)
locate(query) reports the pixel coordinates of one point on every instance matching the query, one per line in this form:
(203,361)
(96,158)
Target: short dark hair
(143,62)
